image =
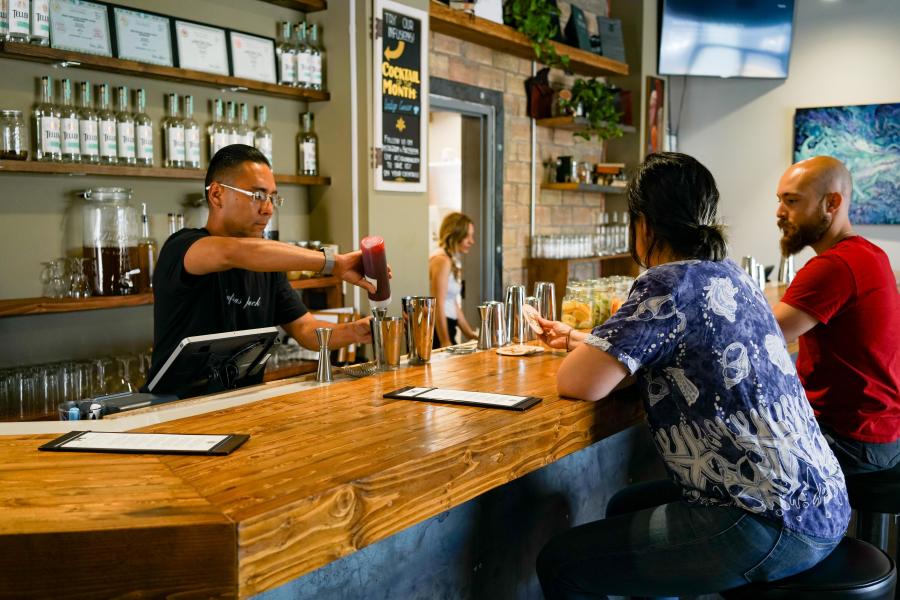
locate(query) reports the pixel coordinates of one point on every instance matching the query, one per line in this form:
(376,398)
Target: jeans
(862,457)
(652,543)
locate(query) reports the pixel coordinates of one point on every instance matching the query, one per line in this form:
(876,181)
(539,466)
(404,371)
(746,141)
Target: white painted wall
(844,52)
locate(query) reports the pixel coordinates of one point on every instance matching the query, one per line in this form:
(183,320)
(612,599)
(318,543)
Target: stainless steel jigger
(323,371)
(377,344)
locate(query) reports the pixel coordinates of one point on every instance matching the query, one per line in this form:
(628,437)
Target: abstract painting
(867,139)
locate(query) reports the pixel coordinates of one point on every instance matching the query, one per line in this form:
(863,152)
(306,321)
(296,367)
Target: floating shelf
(301,5)
(585,259)
(44,54)
(40,306)
(480,31)
(54,168)
(583,187)
(574,124)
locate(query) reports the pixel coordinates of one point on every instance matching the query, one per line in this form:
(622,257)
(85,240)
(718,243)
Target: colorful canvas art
(867,139)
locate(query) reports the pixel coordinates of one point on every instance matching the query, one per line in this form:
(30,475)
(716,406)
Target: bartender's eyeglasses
(258,197)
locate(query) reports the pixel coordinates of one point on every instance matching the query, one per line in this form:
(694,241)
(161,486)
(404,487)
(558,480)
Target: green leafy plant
(538,20)
(599,104)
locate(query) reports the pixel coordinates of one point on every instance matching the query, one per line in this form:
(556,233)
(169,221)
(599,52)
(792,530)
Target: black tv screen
(726,38)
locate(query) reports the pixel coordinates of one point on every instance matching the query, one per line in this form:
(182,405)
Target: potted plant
(597,102)
(538,20)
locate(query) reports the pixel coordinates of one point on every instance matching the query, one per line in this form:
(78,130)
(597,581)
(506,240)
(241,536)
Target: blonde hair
(454,229)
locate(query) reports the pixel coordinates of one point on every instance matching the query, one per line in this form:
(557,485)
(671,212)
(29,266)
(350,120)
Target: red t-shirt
(850,362)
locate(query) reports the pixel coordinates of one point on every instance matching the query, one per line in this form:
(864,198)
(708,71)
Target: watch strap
(328,268)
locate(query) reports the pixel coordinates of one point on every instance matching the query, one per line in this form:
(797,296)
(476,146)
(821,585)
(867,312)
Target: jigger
(485,333)
(377,315)
(323,371)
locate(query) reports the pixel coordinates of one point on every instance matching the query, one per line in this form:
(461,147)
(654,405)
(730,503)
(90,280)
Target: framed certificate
(252,57)
(80,26)
(201,48)
(143,36)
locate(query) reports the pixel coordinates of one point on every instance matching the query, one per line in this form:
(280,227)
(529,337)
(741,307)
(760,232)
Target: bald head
(823,175)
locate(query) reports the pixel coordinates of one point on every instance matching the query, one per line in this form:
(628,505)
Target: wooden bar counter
(326,471)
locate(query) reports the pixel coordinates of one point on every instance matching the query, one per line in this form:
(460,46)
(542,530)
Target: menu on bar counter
(484,399)
(146,443)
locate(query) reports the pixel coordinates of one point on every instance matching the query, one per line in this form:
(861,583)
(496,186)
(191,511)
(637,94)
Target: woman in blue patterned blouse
(755,493)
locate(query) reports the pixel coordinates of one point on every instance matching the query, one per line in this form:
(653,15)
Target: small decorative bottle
(262,136)
(191,135)
(173,133)
(88,126)
(307,147)
(68,124)
(47,142)
(109,153)
(125,129)
(143,127)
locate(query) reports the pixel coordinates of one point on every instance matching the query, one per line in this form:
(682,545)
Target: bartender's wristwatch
(328,269)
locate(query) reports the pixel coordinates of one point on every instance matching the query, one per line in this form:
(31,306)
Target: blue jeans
(858,457)
(652,543)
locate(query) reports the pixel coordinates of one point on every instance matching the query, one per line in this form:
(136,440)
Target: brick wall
(556,212)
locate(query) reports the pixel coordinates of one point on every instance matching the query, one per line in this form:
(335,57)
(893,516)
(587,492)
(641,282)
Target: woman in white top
(457,236)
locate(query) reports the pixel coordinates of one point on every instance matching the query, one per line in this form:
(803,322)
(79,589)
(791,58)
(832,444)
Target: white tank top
(454,289)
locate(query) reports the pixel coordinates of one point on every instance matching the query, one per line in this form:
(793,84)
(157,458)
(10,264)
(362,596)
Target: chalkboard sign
(401,40)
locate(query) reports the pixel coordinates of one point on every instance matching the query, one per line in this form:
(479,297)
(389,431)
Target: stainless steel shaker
(786,270)
(529,332)
(545,292)
(421,323)
(515,318)
(498,324)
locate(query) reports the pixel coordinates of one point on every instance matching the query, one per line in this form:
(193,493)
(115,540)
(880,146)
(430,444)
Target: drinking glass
(78,283)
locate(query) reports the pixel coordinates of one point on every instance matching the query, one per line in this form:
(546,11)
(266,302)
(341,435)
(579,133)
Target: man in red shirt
(844,307)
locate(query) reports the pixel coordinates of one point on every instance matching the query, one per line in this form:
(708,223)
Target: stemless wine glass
(57,286)
(78,283)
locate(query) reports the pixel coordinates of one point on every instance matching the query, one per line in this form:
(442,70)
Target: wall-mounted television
(726,38)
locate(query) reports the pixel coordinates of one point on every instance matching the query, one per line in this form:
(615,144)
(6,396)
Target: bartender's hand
(349,267)
(362,330)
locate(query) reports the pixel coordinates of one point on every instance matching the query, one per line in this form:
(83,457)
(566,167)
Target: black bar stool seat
(855,570)
(877,492)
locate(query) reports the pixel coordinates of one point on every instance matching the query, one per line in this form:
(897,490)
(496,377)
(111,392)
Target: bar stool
(875,497)
(855,570)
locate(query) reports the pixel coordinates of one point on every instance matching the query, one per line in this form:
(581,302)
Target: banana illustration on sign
(396,52)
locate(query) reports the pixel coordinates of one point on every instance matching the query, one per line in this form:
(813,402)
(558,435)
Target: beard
(795,238)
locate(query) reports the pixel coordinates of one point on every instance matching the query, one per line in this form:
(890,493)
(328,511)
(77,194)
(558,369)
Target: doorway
(465,175)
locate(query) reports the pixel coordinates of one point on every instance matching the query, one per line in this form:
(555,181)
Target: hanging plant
(538,20)
(598,103)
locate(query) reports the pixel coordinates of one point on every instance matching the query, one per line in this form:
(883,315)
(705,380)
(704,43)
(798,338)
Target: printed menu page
(488,399)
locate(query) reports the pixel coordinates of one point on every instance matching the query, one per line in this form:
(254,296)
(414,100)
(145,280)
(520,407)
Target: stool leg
(873,528)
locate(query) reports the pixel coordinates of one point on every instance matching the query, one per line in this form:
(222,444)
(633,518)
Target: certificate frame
(58,28)
(181,30)
(237,64)
(124,50)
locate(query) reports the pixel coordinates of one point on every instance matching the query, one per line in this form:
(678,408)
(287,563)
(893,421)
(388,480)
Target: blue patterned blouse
(724,403)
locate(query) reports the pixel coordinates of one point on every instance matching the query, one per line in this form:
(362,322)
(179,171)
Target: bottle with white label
(125,129)
(287,55)
(304,57)
(143,130)
(245,132)
(109,152)
(4,20)
(231,123)
(317,53)
(262,137)
(218,132)
(173,132)
(88,127)
(40,22)
(19,23)
(307,147)
(191,135)
(68,124)
(47,139)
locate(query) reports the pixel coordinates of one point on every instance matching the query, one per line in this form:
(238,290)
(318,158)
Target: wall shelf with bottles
(54,168)
(480,31)
(583,187)
(44,54)
(306,6)
(571,123)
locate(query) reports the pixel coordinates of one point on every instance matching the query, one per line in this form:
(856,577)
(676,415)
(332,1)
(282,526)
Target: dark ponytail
(678,198)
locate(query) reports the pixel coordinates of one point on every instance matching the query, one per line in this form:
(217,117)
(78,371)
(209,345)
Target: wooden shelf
(583,187)
(574,124)
(54,168)
(44,54)
(301,5)
(473,29)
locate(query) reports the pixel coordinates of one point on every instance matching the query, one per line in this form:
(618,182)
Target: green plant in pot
(538,20)
(598,104)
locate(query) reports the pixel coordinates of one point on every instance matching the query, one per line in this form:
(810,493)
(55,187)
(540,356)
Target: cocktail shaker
(786,270)
(421,323)
(545,292)
(515,319)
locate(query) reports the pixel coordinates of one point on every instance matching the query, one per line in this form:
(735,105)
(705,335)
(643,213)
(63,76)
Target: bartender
(226,277)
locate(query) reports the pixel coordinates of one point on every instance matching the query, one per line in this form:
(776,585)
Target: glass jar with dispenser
(68,124)
(173,133)
(191,135)
(88,126)
(47,138)
(307,147)
(110,241)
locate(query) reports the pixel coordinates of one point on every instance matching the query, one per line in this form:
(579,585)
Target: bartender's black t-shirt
(189,305)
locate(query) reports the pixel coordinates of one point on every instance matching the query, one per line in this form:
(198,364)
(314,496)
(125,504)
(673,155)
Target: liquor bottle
(19,21)
(304,57)
(307,147)
(172,227)
(287,55)
(317,50)
(173,133)
(245,132)
(143,129)
(109,153)
(179,221)
(47,144)
(4,20)
(375,269)
(191,135)
(218,132)
(231,123)
(147,252)
(40,22)
(68,124)
(88,126)
(125,129)
(262,137)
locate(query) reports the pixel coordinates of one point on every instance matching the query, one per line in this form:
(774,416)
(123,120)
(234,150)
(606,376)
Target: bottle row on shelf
(301,56)
(610,237)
